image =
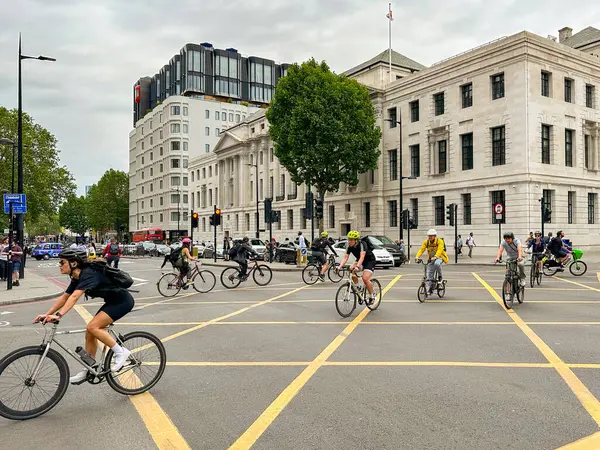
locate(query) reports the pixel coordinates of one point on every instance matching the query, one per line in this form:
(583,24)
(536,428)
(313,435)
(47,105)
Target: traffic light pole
(192,227)
(542,213)
(455,234)
(215,237)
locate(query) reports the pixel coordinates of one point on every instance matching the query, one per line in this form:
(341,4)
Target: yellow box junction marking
(260,425)
(591,442)
(576,283)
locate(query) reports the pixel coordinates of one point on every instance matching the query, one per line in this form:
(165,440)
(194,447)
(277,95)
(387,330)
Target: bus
(156,235)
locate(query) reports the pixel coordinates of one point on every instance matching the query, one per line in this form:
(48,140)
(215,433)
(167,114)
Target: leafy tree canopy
(108,202)
(72,215)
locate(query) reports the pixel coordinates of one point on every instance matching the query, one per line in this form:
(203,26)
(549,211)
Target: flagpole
(390,39)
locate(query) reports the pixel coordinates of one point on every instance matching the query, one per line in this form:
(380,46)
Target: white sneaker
(120,360)
(79,377)
(522,283)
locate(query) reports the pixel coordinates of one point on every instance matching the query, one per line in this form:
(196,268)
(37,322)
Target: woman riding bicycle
(436,256)
(87,280)
(186,245)
(538,247)
(364,260)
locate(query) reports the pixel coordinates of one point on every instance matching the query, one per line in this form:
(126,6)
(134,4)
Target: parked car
(258,246)
(392,248)
(286,253)
(47,251)
(162,250)
(382,256)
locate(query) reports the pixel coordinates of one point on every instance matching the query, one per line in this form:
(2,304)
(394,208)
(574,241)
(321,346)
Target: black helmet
(245,239)
(71,254)
(538,233)
(509,234)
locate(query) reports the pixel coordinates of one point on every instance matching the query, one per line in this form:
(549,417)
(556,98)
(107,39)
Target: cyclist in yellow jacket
(436,256)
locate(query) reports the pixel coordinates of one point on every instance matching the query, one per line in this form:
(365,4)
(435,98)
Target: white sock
(117,348)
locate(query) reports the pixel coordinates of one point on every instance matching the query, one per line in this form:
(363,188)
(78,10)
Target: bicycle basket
(577,254)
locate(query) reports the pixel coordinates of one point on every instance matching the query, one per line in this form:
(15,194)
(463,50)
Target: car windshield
(376,242)
(385,240)
(257,242)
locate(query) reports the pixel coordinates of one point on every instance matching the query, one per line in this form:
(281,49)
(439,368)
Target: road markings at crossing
(583,394)
(260,425)
(591,442)
(576,283)
(6,312)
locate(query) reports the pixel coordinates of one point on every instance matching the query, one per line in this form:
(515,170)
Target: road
(277,368)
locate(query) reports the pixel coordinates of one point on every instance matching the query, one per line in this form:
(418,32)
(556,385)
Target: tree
(323,127)
(46,183)
(44,225)
(108,202)
(72,215)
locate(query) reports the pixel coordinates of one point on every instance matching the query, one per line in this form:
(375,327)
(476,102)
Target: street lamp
(256,182)
(400,177)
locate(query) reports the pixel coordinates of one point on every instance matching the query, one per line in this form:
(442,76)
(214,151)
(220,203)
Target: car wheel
(46,257)
(39,258)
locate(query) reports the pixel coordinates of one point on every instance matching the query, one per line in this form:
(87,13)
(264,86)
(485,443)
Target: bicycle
(511,287)
(438,286)
(350,292)
(41,373)
(535,275)
(169,284)
(311,273)
(261,273)
(576,266)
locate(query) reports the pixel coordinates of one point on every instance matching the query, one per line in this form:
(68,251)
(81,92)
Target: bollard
(9,268)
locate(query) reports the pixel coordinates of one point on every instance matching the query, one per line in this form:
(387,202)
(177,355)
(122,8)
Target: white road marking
(4,324)
(6,312)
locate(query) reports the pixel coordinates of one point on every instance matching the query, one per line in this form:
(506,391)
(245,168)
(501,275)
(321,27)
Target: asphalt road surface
(276,367)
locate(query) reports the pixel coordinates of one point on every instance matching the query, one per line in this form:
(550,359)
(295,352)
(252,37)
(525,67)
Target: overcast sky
(103,47)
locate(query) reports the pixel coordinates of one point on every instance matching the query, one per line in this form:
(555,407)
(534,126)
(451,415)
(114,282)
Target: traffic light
(405,219)
(275,216)
(450,213)
(268,205)
(194,220)
(217,220)
(308,208)
(212,220)
(319,208)
(547,215)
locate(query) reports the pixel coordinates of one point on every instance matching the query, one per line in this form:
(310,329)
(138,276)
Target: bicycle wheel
(20,399)
(549,271)
(262,275)
(532,275)
(507,294)
(441,290)
(378,295)
(335,275)
(144,367)
(169,284)
(539,276)
(422,293)
(204,281)
(229,278)
(520,293)
(345,300)
(578,268)
(310,274)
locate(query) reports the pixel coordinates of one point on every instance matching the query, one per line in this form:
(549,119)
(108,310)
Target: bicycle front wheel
(422,293)
(22,398)
(262,275)
(204,281)
(345,300)
(378,295)
(144,367)
(549,271)
(533,275)
(578,268)
(310,274)
(507,294)
(169,284)
(229,278)
(335,273)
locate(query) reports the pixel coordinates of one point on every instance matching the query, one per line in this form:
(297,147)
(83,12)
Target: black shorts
(369,265)
(118,306)
(319,256)
(561,254)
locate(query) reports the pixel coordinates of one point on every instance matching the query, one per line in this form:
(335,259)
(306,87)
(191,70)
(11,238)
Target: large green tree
(323,127)
(73,215)
(44,225)
(46,183)
(108,202)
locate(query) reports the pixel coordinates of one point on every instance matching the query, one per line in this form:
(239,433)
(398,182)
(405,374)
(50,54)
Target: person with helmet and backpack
(362,249)
(112,253)
(318,249)
(240,253)
(513,248)
(87,279)
(436,256)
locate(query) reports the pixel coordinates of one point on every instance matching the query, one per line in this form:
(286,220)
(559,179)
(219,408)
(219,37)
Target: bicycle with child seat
(232,277)
(311,273)
(171,283)
(535,275)
(34,379)
(576,266)
(351,292)
(511,287)
(437,285)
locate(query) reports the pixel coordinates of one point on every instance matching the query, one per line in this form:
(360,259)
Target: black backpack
(368,244)
(176,257)
(234,250)
(113,249)
(319,245)
(116,278)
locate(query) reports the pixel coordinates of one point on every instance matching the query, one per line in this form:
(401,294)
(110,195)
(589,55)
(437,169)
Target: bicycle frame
(512,272)
(355,286)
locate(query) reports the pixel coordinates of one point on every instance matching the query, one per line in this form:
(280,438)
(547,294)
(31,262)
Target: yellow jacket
(435,250)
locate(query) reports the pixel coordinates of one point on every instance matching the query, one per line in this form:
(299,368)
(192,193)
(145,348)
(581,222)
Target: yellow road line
(232,363)
(438,363)
(437,323)
(562,323)
(159,324)
(284,323)
(591,442)
(584,366)
(165,434)
(576,283)
(260,425)
(587,399)
(598,275)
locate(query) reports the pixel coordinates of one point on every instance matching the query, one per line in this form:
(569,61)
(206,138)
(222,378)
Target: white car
(383,258)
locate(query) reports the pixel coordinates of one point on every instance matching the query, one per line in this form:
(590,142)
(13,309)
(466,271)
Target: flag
(389,14)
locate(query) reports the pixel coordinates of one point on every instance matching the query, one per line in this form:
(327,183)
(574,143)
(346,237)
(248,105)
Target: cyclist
(186,245)
(241,257)
(318,248)
(436,256)
(365,261)
(513,248)
(117,303)
(559,249)
(538,247)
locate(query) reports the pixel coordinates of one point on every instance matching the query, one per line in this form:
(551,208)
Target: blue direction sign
(19,203)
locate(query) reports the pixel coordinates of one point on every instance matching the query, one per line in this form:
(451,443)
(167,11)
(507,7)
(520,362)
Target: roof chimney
(564,34)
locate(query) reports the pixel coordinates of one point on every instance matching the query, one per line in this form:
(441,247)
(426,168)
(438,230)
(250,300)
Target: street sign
(498,208)
(303,252)
(19,203)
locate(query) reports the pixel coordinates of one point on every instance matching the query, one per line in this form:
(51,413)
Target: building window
(151,140)
(204,224)
(415,161)
(372,176)
(270,187)
(142,192)
(185,201)
(570,205)
(207,131)
(592,208)
(174,164)
(438,100)
(185,163)
(590,90)
(568,90)
(142,176)
(260,158)
(546,144)
(393,160)
(414,205)
(209,171)
(466,201)
(231,117)
(569,148)
(545,84)
(260,188)
(174,198)
(175,146)
(161,201)
(586,151)
(160,184)
(160,134)
(217,132)
(547,200)
(175,110)
(497,197)
(151,171)
(174,216)
(497,86)
(442,156)
(290,215)
(185,111)
(175,181)
(142,145)
(217,115)
(367,214)
(192,176)
(160,217)
(185,146)
(302,218)
(203,173)
(393,210)
(331,216)
(207,114)
(498,146)
(439,210)
(160,151)
(142,160)
(185,128)
(151,156)
(414,111)
(237,118)
(467,95)
(282,185)
(206,148)
(151,190)
(467,151)
(160,168)
(271,156)
(393,117)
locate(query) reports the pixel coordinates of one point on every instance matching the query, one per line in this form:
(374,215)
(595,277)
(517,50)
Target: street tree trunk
(322,219)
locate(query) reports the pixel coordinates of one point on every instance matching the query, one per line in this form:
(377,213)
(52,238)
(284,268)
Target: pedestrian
(113,250)
(459,245)
(226,248)
(471,244)
(15,255)
(301,240)
(531,238)
(4,260)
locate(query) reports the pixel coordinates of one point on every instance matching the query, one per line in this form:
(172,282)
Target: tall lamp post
(20,146)
(398,122)
(257,216)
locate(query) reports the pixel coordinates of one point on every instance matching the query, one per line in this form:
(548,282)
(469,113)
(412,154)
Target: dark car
(393,249)
(286,253)
(47,251)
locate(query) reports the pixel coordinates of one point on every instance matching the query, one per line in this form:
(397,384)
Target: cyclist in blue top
(538,247)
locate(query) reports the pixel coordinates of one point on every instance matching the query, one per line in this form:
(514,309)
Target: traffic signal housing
(319,208)
(450,213)
(217,220)
(194,220)
(547,215)
(268,209)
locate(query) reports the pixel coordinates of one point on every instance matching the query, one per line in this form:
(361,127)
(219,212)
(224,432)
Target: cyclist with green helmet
(365,261)
(514,250)
(318,249)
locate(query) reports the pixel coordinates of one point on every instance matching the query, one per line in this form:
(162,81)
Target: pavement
(276,367)
(33,288)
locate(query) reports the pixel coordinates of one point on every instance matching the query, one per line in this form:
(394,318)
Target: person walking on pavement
(470,244)
(302,245)
(114,253)
(15,254)
(459,245)
(226,248)
(4,260)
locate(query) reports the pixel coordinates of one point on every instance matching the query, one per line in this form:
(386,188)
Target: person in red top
(114,253)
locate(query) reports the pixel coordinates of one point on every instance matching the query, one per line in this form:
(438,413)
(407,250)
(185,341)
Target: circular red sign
(498,208)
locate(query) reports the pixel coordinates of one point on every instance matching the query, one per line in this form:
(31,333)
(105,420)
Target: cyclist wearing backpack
(114,254)
(240,256)
(318,248)
(89,281)
(436,256)
(362,249)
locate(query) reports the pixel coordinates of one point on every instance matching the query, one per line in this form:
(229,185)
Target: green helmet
(354,235)
(324,234)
